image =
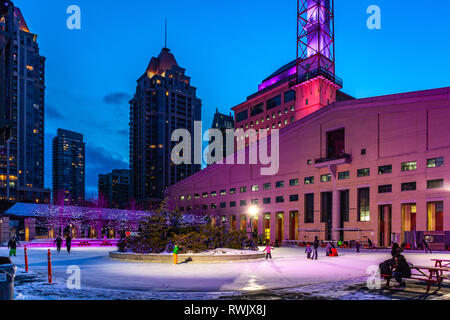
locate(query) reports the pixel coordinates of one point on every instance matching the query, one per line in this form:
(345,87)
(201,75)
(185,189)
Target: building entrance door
(293,224)
(280,223)
(385,225)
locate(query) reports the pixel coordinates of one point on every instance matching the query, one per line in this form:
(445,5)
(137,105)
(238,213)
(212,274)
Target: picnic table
(438,263)
(430,275)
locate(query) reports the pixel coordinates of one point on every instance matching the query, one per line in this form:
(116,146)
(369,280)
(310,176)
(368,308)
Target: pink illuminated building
(350,169)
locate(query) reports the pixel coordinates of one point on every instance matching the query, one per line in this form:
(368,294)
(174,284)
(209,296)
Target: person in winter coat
(328,249)
(401,270)
(316,246)
(268,251)
(12,245)
(357,245)
(68,243)
(426,247)
(308,251)
(58,241)
(175,254)
(396,250)
(371,246)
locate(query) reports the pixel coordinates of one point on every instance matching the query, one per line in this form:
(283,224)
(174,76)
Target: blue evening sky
(227,47)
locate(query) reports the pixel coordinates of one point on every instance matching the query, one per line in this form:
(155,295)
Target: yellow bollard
(175,258)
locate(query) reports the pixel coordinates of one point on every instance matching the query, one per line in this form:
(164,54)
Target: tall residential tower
(22,71)
(164,101)
(68,167)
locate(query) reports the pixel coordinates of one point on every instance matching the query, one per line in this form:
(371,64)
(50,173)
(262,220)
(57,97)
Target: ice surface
(104,278)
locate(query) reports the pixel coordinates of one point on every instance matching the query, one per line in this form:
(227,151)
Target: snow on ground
(288,276)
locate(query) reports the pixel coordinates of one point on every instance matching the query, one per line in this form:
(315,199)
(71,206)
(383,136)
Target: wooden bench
(430,275)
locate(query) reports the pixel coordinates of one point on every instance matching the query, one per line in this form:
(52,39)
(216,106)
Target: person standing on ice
(426,247)
(68,243)
(268,251)
(328,249)
(357,246)
(308,251)
(12,245)
(316,246)
(58,241)
(175,254)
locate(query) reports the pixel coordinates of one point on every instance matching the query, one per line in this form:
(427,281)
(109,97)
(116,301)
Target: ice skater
(58,241)
(426,247)
(328,249)
(316,246)
(68,243)
(12,245)
(268,251)
(357,246)
(308,251)
(371,246)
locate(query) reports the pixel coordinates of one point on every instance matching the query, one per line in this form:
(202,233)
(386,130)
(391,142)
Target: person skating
(68,243)
(268,251)
(357,246)
(12,245)
(58,241)
(316,246)
(371,246)
(328,249)
(308,251)
(426,247)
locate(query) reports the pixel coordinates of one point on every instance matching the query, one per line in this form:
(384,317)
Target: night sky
(227,47)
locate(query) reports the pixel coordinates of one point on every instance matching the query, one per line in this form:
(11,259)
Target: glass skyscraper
(22,110)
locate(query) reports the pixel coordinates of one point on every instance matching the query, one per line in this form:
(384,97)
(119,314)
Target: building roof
(22,24)
(220,120)
(31,210)
(165,61)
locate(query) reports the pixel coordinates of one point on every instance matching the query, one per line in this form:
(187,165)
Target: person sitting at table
(401,270)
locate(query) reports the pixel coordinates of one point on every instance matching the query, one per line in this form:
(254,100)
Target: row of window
(257,110)
(270,104)
(406,166)
(408,186)
(412,186)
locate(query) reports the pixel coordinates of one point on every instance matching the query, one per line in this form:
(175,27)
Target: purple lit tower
(316,83)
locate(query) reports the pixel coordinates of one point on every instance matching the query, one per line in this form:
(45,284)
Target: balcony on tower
(316,73)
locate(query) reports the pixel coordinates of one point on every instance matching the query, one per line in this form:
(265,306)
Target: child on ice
(268,251)
(308,251)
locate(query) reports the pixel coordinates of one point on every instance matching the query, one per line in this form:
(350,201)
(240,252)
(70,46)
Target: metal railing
(337,157)
(316,73)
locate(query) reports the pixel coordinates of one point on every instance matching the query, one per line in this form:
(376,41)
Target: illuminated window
(436,162)
(364,204)
(409,166)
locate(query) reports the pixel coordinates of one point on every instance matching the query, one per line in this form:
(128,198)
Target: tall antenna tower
(315,81)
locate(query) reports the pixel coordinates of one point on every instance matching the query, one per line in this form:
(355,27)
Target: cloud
(116,98)
(100,161)
(53,113)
